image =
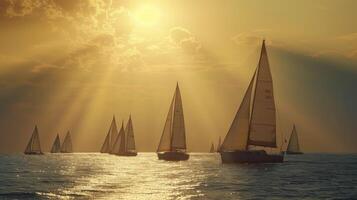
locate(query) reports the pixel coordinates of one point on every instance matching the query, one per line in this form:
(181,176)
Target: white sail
(56,147)
(130,140)
(237,136)
(110,138)
(263,119)
(293,145)
(173,137)
(67,144)
(212,148)
(178,138)
(165,141)
(119,145)
(106,145)
(34,145)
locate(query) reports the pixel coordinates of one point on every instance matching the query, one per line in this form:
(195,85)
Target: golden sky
(67,64)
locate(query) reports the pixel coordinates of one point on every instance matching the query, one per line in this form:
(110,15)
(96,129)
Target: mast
(34,145)
(122,144)
(212,148)
(293,145)
(130,140)
(56,147)
(178,135)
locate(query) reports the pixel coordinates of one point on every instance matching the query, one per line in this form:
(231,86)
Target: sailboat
(293,146)
(67,144)
(125,142)
(254,126)
(219,144)
(110,138)
(56,147)
(34,146)
(212,148)
(172,144)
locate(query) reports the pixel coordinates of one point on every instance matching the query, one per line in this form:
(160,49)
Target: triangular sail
(263,119)
(237,136)
(178,138)
(212,148)
(293,145)
(34,145)
(56,146)
(110,138)
(119,145)
(130,140)
(67,144)
(165,141)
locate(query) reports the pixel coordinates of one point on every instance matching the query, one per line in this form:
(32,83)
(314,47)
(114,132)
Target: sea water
(203,176)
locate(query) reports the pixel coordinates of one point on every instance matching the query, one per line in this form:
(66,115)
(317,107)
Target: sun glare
(146,15)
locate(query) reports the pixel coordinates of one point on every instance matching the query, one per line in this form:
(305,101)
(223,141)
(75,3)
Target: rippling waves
(102,176)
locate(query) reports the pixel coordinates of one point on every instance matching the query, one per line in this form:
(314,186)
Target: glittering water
(102,176)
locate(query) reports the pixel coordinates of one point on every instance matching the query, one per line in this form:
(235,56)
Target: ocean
(203,176)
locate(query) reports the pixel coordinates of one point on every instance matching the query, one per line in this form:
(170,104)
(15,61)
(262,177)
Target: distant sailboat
(293,146)
(254,127)
(219,144)
(34,146)
(125,142)
(173,139)
(110,138)
(212,148)
(67,144)
(56,147)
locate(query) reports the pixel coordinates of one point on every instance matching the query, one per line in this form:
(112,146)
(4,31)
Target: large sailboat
(125,143)
(67,144)
(173,139)
(34,146)
(254,127)
(56,146)
(110,138)
(294,146)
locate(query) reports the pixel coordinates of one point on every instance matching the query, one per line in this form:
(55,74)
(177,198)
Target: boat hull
(33,153)
(294,153)
(173,156)
(127,154)
(259,156)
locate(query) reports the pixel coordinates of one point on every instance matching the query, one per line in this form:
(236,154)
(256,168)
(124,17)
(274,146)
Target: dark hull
(33,153)
(294,153)
(127,154)
(173,156)
(250,157)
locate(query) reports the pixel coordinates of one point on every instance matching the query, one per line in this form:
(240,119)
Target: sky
(72,65)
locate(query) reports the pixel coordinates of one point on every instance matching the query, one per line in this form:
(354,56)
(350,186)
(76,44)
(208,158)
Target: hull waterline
(173,156)
(251,157)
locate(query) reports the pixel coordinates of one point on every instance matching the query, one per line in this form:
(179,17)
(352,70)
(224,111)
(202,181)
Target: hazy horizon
(72,65)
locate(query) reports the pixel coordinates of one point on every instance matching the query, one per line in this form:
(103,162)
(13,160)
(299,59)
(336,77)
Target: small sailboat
(110,138)
(172,144)
(219,144)
(56,146)
(125,142)
(294,146)
(67,144)
(254,126)
(212,148)
(34,146)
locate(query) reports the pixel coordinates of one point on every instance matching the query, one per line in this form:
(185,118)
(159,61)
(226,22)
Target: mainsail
(262,130)
(56,147)
(212,148)
(174,137)
(67,144)
(34,146)
(119,144)
(110,138)
(130,140)
(293,145)
(237,136)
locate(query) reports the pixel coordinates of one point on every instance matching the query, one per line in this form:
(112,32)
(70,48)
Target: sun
(146,15)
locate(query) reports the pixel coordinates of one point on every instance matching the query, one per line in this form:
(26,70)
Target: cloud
(184,39)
